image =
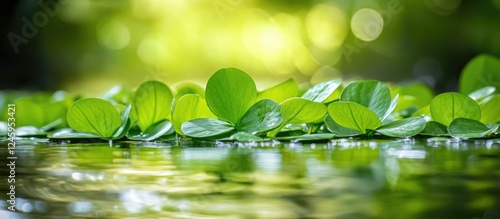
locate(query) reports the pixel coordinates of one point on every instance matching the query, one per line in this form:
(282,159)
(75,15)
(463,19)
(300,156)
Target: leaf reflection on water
(342,178)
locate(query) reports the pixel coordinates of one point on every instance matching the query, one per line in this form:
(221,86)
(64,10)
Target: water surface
(344,178)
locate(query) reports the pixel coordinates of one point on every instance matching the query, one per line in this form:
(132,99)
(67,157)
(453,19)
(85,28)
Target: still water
(344,178)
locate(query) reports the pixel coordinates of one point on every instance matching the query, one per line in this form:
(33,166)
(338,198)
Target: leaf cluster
(231,108)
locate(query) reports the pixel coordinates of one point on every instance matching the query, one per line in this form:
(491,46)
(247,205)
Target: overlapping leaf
(230,93)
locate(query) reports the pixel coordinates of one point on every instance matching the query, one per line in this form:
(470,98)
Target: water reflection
(344,178)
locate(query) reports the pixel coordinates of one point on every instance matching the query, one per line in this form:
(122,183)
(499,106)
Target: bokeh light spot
(152,50)
(367,24)
(264,38)
(326,26)
(113,34)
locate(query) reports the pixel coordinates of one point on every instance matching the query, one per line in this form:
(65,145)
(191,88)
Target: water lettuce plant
(152,103)
(481,71)
(231,96)
(459,115)
(280,92)
(40,113)
(362,109)
(189,107)
(96,117)
(298,110)
(231,108)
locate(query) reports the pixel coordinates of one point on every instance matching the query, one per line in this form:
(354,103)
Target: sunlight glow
(326,26)
(367,24)
(113,34)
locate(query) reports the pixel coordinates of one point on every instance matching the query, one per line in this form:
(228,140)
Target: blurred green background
(86,46)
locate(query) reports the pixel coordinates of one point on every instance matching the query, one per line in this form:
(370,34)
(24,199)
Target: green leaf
(261,117)
(230,93)
(68,133)
(153,132)
(434,128)
(309,137)
(51,125)
(186,87)
(393,105)
(117,94)
(405,102)
(424,111)
(323,92)
(27,131)
(469,128)
(354,116)
(96,116)
(447,107)
(189,107)
(152,102)
(206,127)
(374,95)
(339,130)
(280,92)
(403,128)
(242,137)
(482,93)
(490,111)
(126,124)
(483,70)
(298,110)
(28,113)
(422,93)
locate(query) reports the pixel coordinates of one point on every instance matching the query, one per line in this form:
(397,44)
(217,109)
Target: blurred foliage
(88,45)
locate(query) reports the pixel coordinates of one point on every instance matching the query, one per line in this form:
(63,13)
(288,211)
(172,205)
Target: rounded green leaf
(126,124)
(189,107)
(482,93)
(434,128)
(29,113)
(424,111)
(261,117)
(206,127)
(299,110)
(323,92)
(151,103)
(230,93)
(423,94)
(403,128)
(93,115)
(490,112)
(186,87)
(153,132)
(67,133)
(392,106)
(447,107)
(481,71)
(243,137)
(354,116)
(339,130)
(469,128)
(280,92)
(374,95)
